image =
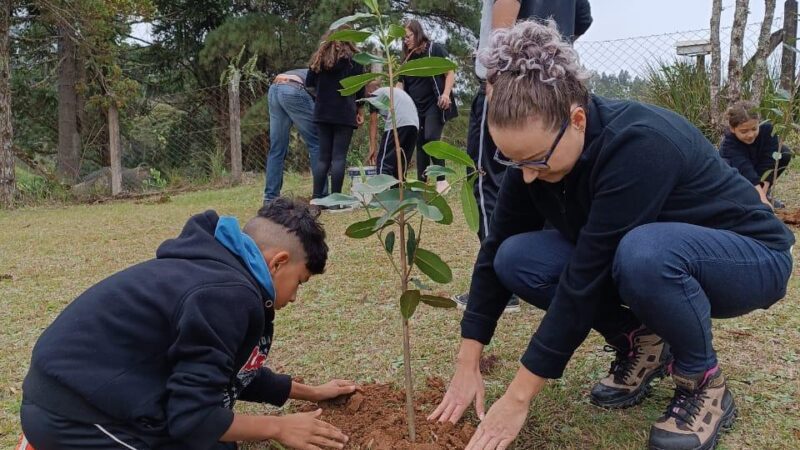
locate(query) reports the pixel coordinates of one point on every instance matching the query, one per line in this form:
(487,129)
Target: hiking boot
(511,307)
(641,357)
(701,408)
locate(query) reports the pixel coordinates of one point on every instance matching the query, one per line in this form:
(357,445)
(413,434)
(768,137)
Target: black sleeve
(311,82)
(583,17)
(211,326)
(637,171)
(769,145)
(439,50)
(358,69)
(514,213)
(736,154)
(268,387)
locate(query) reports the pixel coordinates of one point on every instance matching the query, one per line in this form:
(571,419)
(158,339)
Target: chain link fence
(637,57)
(170,141)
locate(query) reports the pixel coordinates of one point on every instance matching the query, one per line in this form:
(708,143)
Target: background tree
(735,63)
(763,51)
(716,63)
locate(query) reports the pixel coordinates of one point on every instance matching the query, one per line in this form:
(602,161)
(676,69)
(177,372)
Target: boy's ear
(278,260)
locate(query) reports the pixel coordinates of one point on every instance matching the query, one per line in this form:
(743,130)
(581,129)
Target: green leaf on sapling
(433,266)
(408,303)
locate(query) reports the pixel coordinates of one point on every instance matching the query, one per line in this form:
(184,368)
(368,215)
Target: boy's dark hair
(302,221)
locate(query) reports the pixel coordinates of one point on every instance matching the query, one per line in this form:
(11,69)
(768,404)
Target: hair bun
(532,47)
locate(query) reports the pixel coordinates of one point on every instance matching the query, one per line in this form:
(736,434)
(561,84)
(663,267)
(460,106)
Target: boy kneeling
(156,355)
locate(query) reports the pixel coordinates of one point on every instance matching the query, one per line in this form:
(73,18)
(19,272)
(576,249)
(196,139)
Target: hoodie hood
(197,241)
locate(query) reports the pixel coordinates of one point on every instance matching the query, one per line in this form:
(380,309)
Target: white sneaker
(442,187)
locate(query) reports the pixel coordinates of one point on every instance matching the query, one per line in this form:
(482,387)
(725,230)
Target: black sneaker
(461,300)
(642,358)
(700,410)
(461,303)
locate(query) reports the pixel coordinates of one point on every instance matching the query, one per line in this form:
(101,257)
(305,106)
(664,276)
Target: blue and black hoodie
(167,346)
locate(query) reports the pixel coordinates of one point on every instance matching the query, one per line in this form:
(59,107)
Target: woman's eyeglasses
(533,164)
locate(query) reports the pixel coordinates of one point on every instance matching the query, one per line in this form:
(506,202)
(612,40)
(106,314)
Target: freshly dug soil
(789,216)
(376,419)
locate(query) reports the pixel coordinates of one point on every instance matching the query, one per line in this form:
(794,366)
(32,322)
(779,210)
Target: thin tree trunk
(235,127)
(760,72)
(789,38)
(737,50)
(716,61)
(7,179)
(114,150)
(69,141)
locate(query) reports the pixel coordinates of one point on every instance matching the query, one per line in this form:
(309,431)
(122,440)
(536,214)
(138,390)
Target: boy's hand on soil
(466,386)
(304,431)
(501,425)
(335,388)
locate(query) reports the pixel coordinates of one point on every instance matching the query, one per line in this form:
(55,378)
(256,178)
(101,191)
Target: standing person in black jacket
(433,96)
(749,146)
(653,236)
(155,356)
(336,116)
(573,18)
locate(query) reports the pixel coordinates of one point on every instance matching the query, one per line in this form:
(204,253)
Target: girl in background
(749,146)
(336,116)
(433,96)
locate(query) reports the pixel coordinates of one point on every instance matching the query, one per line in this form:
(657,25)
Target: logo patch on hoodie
(257,359)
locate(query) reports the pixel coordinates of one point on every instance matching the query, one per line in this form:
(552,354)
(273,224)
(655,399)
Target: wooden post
(235,127)
(7,178)
(114,149)
(789,58)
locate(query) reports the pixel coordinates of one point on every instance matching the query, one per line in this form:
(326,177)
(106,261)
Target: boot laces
(624,362)
(686,405)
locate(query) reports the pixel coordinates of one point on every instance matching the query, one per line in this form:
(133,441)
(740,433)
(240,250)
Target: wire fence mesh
(174,140)
(637,56)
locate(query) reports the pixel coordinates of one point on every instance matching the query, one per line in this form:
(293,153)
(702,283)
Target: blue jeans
(674,277)
(288,103)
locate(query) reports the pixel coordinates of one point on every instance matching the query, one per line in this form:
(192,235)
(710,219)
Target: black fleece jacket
(751,160)
(573,17)
(162,348)
(330,107)
(640,164)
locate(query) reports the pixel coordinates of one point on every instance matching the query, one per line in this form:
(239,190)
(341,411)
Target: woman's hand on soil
(501,425)
(304,431)
(444,102)
(334,388)
(466,386)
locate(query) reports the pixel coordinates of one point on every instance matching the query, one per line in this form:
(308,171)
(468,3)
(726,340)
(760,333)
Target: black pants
(386,160)
(334,142)
(430,129)
(481,149)
(48,431)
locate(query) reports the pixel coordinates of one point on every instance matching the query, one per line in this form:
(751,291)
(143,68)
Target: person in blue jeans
(653,234)
(289,103)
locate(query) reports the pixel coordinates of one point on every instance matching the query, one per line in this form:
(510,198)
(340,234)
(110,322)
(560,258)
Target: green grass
(345,323)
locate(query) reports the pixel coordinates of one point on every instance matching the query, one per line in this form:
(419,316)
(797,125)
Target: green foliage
(621,86)
(408,303)
(682,88)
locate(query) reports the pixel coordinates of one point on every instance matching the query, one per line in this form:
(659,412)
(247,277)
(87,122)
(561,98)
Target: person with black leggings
(336,115)
(433,96)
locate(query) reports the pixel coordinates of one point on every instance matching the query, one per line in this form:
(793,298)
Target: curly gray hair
(533,73)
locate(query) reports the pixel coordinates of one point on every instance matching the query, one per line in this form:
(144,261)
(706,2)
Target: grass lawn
(345,323)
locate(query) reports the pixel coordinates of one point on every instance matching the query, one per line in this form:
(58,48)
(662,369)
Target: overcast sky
(615,19)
